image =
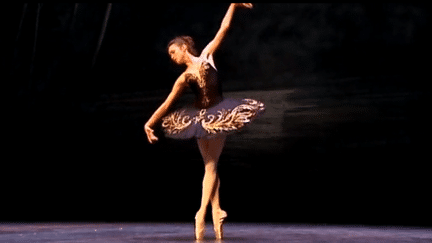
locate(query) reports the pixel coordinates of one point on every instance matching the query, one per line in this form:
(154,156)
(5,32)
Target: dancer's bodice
(205,86)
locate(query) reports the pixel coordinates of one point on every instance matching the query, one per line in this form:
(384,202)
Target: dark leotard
(211,113)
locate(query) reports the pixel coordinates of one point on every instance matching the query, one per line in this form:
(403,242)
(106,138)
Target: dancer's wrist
(149,125)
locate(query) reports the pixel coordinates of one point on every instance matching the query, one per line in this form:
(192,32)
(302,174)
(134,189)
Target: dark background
(344,141)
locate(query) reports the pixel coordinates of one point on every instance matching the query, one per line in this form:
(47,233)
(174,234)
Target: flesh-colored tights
(210,150)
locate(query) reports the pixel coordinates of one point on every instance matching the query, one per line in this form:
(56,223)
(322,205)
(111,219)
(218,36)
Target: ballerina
(209,119)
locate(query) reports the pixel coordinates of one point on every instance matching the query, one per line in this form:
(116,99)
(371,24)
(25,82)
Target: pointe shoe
(218,221)
(199,229)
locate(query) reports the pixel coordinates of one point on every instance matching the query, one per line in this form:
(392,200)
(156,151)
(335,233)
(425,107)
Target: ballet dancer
(209,119)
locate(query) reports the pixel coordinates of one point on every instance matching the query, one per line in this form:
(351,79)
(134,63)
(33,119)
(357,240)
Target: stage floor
(182,232)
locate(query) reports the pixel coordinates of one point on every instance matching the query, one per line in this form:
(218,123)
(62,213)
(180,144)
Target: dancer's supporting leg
(218,214)
(210,150)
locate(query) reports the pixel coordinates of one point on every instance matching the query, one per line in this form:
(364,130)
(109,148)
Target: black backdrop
(75,151)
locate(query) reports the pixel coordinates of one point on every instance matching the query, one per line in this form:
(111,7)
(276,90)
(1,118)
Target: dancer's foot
(219,217)
(199,225)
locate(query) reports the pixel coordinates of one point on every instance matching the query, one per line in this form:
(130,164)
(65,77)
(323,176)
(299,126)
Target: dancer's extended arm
(179,86)
(226,23)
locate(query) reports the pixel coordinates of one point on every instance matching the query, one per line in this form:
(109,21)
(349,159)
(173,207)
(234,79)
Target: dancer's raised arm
(226,23)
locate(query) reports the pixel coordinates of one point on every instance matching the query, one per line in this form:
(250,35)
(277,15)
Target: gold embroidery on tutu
(200,116)
(176,122)
(225,120)
(229,120)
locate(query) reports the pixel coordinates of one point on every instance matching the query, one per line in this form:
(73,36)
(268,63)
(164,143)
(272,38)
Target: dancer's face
(177,53)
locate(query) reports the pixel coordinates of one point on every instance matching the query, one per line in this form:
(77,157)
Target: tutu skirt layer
(228,116)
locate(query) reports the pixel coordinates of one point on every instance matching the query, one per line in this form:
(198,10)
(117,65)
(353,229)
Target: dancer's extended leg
(217,213)
(214,199)
(210,150)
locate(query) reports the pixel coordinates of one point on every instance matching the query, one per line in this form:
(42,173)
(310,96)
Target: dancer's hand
(244,5)
(150,134)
